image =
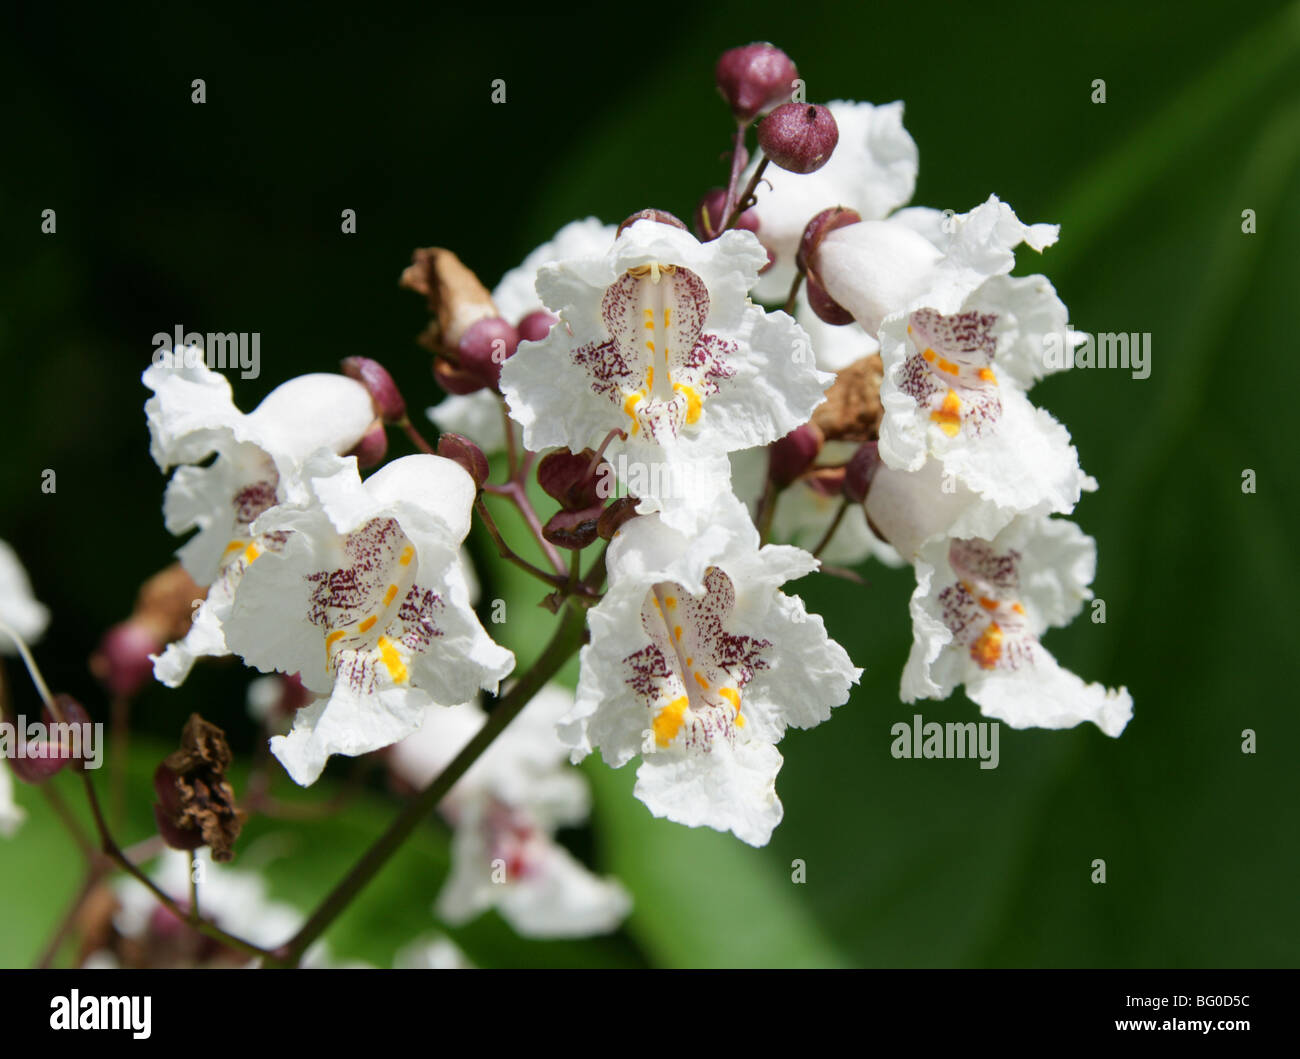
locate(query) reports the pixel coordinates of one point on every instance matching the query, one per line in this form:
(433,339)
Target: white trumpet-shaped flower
(192,417)
(505,812)
(698,663)
(979,611)
(659,339)
(365,598)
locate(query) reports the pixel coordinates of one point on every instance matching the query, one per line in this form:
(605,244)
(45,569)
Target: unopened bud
(661,216)
(485,346)
(121,662)
(373,446)
(709,219)
(827,308)
(536,325)
(818,228)
(754,78)
(573,530)
(793,454)
(799,136)
(35,760)
(459,449)
(859,471)
(620,511)
(572,478)
(383,391)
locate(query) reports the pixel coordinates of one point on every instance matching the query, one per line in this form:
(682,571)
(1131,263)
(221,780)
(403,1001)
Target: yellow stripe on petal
(392,660)
(668,721)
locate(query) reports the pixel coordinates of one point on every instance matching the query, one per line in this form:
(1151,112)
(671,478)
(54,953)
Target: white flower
(366,599)
(432,953)
(505,810)
(872,170)
(660,340)
(11,813)
(235,900)
(18,607)
(478,415)
(953,391)
(698,663)
(191,417)
(921,259)
(978,612)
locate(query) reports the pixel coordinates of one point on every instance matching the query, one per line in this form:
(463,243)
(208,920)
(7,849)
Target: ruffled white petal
(18,607)
(516,295)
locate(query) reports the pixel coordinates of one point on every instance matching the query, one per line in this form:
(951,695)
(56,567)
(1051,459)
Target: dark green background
(225,217)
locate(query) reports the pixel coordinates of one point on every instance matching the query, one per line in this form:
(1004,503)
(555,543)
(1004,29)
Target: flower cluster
(817,372)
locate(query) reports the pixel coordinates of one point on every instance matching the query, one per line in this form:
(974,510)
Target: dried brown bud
(573,529)
(620,511)
(852,410)
(196,804)
(456,297)
(572,478)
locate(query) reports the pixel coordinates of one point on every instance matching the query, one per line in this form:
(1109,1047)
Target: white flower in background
(921,259)
(978,612)
(192,416)
(18,607)
(21,612)
(698,663)
(367,601)
(505,812)
(661,341)
(11,813)
(872,171)
(804,513)
(478,415)
(233,899)
(432,953)
(954,391)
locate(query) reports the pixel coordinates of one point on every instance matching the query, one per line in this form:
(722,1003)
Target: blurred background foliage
(225,217)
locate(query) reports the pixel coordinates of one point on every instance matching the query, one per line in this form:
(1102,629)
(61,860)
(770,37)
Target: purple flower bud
(373,446)
(536,325)
(661,216)
(573,530)
(793,454)
(754,78)
(383,391)
(799,136)
(826,307)
(818,228)
(620,511)
(459,449)
(859,471)
(709,219)
(42,758)
(485,346)
(121,661)
(828,481)
(572,478)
